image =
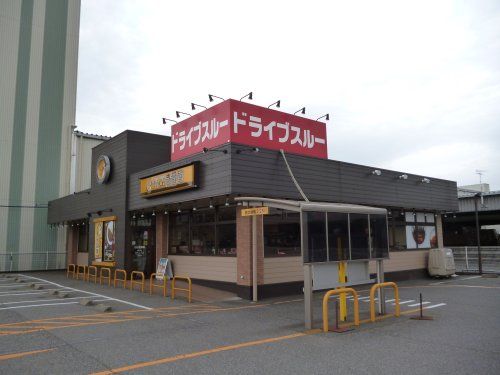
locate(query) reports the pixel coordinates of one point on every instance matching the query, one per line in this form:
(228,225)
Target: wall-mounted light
(425,180)
(212,96)
(211,203)
(403,177)
(377,172)
(164,119)
(165,212)
(327,117)
(227,202)
(302,110)
(179,113)
(205,150)
(253,149)
(277,103)
(194,105)
(179,209)
(249,96)
(154,213)
(142,215)
(194,205)
(133,216)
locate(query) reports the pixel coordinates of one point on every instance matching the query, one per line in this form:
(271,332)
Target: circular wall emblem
(103,169)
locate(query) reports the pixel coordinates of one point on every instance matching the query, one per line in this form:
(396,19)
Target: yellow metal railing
(92,275)
(339,291)
(153,285)
(133,282)
(372,298)
(124,280)
(71,270)
(101,276)
(189,290)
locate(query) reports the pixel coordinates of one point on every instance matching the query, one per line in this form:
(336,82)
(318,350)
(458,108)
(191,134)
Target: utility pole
(478,234)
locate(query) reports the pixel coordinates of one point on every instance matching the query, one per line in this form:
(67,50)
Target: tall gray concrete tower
(38,77)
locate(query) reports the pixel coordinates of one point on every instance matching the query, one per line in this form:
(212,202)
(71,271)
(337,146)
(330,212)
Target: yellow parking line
(203,353)
(22,354)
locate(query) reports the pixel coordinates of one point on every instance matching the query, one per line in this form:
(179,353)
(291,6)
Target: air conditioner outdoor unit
(441,263)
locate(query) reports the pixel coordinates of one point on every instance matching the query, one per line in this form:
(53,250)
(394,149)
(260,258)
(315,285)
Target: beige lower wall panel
(404,260)
(283,270)
(205,268)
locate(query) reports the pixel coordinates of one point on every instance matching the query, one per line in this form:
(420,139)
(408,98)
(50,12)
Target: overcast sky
(411,86)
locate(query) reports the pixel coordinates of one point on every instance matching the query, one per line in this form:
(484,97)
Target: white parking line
(10,285)
(39,300)
(438,305)
(418,304)
(362,298)
(390,300)
(28,291)
(94,294)
(39,305)
(404,302)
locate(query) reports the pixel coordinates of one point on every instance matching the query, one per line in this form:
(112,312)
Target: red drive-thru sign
(248,124)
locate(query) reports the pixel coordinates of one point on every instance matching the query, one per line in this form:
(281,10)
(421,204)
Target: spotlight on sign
(212,96)
(425,180)
(179,113)
(277,104)
(302,110)
(205,150)
(165,120)
(377,172)
(327,117)
(403,177)
(194,105)
(253,149)
(249,96)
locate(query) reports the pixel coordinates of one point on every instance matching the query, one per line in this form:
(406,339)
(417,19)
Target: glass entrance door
(143,245)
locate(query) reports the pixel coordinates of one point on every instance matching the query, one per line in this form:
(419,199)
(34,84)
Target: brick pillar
(71,245)
(161,236)
(244,253)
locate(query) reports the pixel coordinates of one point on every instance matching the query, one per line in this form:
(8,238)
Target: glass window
(359,236)
(315,232)
(338,236)
(226,239)
(179,233)
(378,233)
(281,233)
(397,231)
(203,240)
(226,213)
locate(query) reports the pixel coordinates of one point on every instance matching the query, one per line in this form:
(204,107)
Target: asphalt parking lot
(41,333)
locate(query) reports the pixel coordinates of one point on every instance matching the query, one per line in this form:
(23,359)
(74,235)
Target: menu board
(164,268)
(109,241)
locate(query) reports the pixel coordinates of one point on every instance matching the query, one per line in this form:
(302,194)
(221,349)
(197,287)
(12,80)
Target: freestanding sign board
(248,124)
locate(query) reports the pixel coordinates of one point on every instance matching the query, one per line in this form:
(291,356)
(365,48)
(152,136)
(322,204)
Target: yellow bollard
(342,268)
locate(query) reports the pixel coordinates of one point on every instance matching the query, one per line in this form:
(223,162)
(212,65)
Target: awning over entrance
(299,206)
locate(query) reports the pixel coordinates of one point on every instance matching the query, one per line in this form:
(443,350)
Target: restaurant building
(179,197)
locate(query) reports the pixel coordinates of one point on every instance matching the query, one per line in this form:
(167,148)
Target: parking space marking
(417,304)
(433,306)
(91,293)
(205,352)
(179,357)
(28,291)
(39,300)
(23,354)
(405,302)
(38,305)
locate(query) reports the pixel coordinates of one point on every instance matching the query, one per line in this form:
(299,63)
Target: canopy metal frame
(307,206)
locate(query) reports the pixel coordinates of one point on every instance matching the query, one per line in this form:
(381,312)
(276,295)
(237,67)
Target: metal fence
(14,262)
(466,258)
